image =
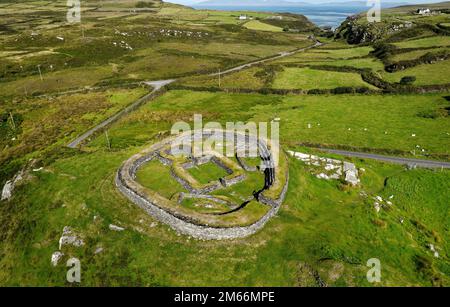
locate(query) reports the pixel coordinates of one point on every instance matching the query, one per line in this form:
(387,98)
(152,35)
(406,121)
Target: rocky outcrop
(330,168)
(357,32)
(56,257)
(9,186)
(70,238)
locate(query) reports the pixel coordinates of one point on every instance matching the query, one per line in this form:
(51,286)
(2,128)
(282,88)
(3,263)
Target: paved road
(276,57)
(157,85)
(391,159)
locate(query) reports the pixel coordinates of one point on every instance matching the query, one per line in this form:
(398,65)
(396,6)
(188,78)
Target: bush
(408,80)
(383,51)
(143,4)
(343,90)
(433,114)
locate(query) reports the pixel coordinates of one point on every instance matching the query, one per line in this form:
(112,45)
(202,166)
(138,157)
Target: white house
(243,17)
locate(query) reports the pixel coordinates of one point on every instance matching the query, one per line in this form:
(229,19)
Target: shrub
(144,4)
(433,114)
(408,80)
(383,51)
(343,90)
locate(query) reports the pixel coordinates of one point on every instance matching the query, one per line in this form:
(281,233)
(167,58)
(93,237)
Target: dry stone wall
(126,184)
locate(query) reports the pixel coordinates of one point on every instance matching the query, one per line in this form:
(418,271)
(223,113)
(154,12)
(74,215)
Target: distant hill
(282,3)
(253,3)
(399,22)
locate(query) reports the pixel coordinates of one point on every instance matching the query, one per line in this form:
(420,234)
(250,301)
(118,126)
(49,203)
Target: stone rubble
(333,169)
(9,186)
(433,249)
(69,238)
(379,203)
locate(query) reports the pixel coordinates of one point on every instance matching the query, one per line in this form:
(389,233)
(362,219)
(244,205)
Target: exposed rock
(334,169)
(116,228)
(56,257)
(323,176)
(98,250)
(9,186)
(351,177)
(377,207)
(69,238)
(7,190)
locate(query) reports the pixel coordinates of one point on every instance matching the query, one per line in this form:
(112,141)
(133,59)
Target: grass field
(154,175)
(207,173)
(414,54)
(363,121)
(325,229)
(435,41)
(370,63)
(426,74)
(259,26)
(46,123)
(248,79)
(273,257)
(165,42)
(307,78)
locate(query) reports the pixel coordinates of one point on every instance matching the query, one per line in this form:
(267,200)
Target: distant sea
(322,15)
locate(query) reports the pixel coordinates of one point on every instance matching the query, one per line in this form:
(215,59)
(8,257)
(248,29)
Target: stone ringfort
(201,225)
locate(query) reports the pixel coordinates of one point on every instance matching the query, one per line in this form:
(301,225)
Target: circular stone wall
(198,225)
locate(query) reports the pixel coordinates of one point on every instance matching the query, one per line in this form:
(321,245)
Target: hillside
(396,22)
(88,171)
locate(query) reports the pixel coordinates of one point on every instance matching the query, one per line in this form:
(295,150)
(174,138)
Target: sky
(314,1)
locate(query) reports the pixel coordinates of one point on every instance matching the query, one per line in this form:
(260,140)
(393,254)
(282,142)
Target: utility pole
(40,73)
(107,140)
(219,78)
